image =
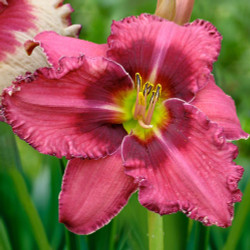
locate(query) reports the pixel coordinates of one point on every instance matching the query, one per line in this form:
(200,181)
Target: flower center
(145,103)
(144,112)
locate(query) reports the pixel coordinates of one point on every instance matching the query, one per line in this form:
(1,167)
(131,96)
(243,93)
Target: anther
(138,80)
(158,91)
(142,113)
(147,88)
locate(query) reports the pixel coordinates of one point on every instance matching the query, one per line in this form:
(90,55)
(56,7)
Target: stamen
(141,99)
(138,80)
(144,117)
(158,91)
(150,112)
(147,88)
(154,98)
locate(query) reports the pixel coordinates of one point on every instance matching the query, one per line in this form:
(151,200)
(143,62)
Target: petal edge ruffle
(220,108)
(93,192)
(69,111)
(56,46)
(187,167)
(180,58)
(20,21)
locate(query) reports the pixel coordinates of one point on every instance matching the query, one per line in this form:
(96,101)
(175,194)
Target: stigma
(147,97)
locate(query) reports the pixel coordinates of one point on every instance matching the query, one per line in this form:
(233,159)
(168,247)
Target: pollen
(147,96)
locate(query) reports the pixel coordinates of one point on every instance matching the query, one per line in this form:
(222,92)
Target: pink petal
(220,108)
(178,57)
(69,112)
(187,167)
(21,20)
(14,16)
(93,192)
(56,46)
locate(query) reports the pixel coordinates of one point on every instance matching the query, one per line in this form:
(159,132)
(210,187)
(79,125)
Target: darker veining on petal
(188,167)
(172,53)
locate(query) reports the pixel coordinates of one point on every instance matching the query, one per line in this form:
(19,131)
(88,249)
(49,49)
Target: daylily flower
(21,20)
(140,112)
(178,11)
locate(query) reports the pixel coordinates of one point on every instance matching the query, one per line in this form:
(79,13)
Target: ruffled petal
(187,167)
(56,46)
(21,20)
(180,58)
(220,108)
(93,192)
(70,111)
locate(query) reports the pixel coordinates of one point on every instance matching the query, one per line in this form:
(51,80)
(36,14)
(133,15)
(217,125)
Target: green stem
(238,223)
(155,231)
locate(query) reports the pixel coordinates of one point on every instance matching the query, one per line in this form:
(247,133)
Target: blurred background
(30,182)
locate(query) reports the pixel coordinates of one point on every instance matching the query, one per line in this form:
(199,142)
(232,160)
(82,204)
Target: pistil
(141,112)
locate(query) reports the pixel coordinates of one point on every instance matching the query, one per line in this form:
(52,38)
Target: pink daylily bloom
(21,20)
(140,112)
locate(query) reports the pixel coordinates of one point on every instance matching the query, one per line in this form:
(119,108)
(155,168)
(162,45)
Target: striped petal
(186,167)
(93,192)
(180,58)
(220,108)
(56,46)
(69,111)
(21,20)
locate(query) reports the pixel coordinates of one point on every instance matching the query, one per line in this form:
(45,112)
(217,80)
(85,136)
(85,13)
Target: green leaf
(201,236)
(4,239)
(176,231)
(239,221)
(8,150)
(10,167)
